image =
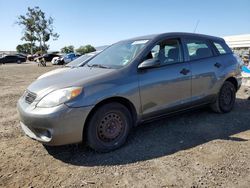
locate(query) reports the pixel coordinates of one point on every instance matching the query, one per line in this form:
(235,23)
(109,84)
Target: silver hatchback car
(130,82)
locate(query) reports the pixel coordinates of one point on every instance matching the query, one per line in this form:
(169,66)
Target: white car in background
(55,60)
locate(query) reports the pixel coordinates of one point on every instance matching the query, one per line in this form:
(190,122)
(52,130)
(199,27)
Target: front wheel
(225,99)
(109,127)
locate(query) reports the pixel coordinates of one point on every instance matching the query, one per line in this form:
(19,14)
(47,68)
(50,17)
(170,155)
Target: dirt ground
(194,149)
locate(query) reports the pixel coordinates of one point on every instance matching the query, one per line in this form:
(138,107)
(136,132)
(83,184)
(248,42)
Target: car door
(205,68)
(13,59)
(168,86)
(9,59)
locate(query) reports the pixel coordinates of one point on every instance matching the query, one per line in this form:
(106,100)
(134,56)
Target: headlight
(60,96)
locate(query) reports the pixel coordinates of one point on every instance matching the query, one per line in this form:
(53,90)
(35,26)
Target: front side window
(167,52)
(198,49)
(118,55)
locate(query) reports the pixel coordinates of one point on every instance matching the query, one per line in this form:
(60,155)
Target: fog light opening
(45,135)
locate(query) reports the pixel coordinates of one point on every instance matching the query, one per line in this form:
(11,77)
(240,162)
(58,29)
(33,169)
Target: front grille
(29,97)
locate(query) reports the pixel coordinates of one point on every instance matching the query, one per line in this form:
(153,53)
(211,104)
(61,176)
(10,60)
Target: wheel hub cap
(110,127)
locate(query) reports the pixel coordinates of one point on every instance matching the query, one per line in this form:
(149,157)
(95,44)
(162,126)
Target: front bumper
(53,126)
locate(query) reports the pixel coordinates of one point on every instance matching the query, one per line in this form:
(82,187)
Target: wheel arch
(128,104)
(233,81)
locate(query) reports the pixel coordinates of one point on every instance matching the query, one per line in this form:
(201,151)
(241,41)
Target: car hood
(66,78)
(56,71)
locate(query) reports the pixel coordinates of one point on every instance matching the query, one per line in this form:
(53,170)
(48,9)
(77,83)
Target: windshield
(118,55)
(80,60)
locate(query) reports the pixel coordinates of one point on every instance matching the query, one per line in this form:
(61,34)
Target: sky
(103,22)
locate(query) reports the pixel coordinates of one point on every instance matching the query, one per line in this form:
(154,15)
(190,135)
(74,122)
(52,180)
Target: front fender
(95,93)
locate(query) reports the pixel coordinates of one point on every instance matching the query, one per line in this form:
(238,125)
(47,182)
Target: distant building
(2,53)
(239,43)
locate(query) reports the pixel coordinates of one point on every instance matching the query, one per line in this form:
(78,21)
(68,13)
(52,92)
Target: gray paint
(153,92)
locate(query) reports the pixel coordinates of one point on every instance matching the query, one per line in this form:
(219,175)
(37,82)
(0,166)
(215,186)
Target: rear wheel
(109,127)
(225,99)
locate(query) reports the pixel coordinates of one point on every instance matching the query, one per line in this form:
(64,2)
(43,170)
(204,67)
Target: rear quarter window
(221,47)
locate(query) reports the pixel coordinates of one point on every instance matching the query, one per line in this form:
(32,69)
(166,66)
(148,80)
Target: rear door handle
(218,65)
(184,71)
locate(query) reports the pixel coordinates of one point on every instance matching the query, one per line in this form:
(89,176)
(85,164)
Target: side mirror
(149,63)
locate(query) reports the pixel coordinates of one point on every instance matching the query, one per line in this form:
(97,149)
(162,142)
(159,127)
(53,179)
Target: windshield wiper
(99,66)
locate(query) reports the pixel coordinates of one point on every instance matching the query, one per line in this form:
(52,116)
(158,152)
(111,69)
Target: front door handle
(218,65)
(184,71)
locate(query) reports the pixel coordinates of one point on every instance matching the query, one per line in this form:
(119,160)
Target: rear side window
(222,48)
(198,49)
(10,57)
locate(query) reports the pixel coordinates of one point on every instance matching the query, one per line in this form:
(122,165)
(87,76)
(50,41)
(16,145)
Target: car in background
(82,60)
(54,61)
(32,57)
(49,57)
(67,58)
(79,62)
(22,55)
(12,59)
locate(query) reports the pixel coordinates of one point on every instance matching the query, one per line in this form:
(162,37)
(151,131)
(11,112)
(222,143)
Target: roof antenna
(197,23)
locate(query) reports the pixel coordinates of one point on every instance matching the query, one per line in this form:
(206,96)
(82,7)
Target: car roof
(9,55)
(174,34)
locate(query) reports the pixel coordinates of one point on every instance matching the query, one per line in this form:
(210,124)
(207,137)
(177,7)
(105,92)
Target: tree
(85,49)
(36,27)
(25,48)
(67,49)
(28,24)
(44,29)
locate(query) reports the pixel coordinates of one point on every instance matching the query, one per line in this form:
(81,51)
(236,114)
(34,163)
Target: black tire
(18,61)
(225,98)
(109,127)
(62,62)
